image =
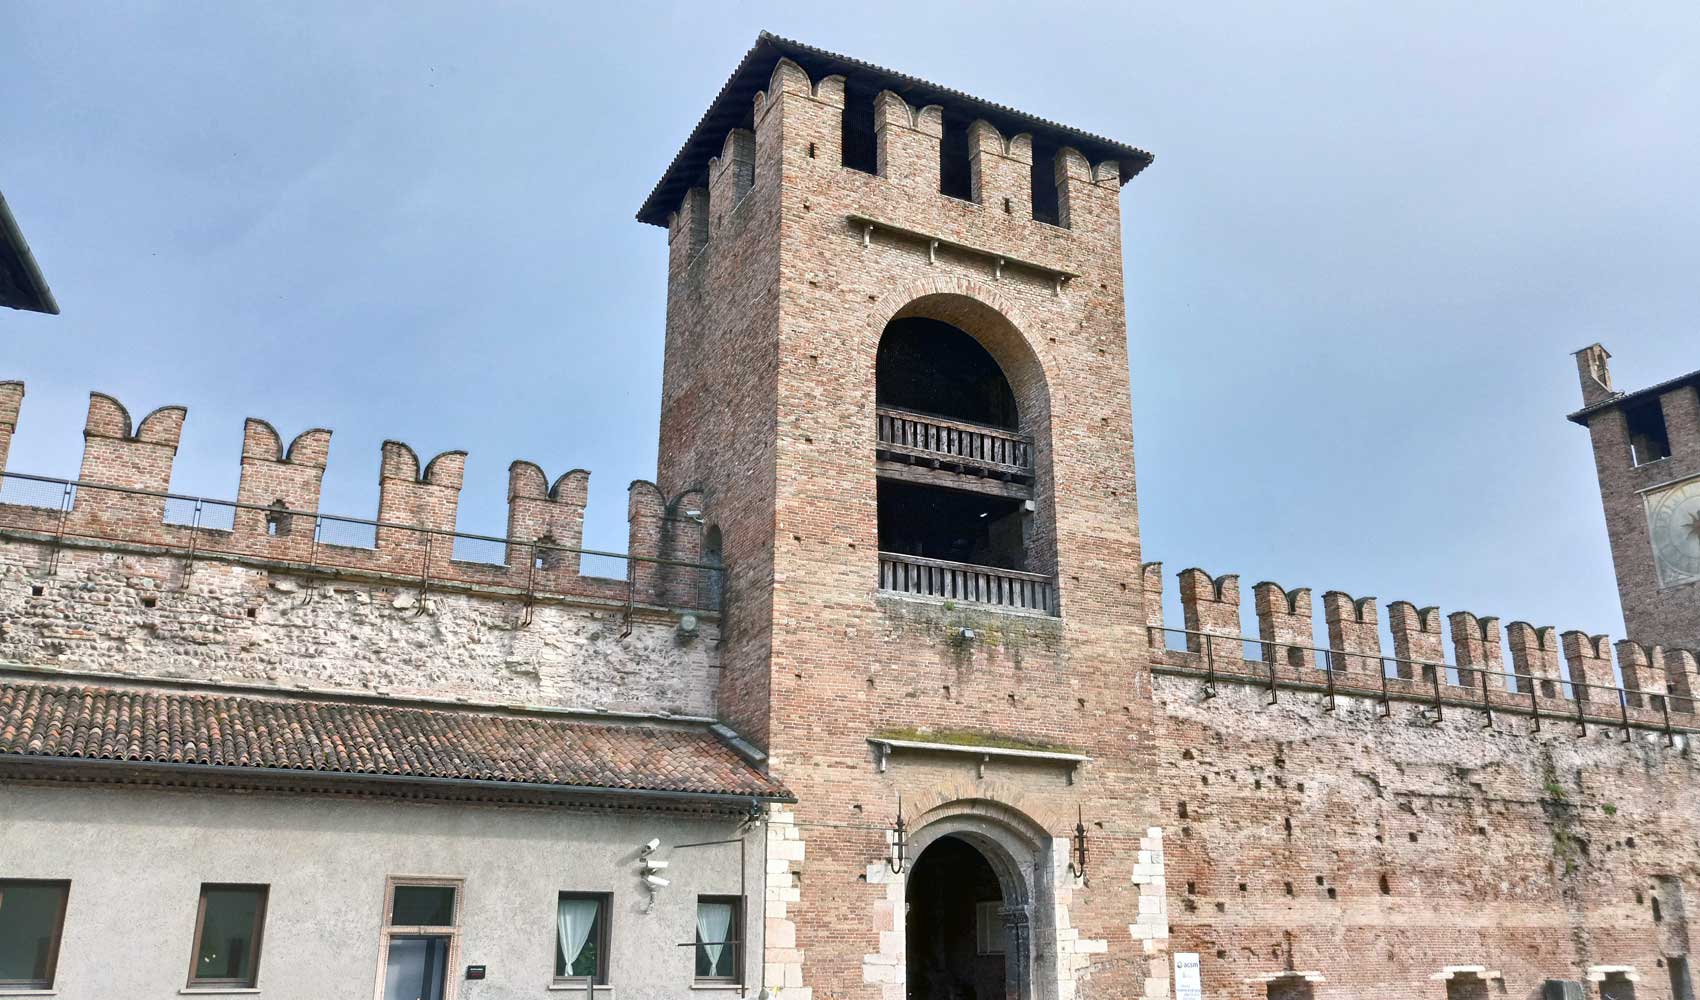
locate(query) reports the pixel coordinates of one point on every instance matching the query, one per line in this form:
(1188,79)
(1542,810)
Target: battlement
(974,174)
(775,66)
(122,496)
(1553,674)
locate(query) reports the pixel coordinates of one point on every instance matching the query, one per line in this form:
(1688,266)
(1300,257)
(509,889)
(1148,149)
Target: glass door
(417,969)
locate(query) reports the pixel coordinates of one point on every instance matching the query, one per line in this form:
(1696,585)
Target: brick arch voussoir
(895,301)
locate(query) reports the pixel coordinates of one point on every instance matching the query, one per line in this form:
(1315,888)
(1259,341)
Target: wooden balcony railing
(953,581)
(940,441)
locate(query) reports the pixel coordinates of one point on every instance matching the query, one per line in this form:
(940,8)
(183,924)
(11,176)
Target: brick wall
(1379,851)
(1666,615)
(768,405)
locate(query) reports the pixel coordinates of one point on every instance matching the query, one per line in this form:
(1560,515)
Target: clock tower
(1647,454)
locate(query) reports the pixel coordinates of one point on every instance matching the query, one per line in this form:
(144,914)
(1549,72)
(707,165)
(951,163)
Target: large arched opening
(963,456)
(979,900)
(956,941)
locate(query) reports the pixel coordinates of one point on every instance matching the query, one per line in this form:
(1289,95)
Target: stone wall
(1375,853)
(113,609)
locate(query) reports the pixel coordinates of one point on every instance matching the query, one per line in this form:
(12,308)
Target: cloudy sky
(1371,238)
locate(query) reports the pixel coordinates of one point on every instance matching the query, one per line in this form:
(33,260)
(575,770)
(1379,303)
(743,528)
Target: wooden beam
(885,468)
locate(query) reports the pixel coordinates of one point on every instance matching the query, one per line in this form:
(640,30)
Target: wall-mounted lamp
(1077,867)
(899,842)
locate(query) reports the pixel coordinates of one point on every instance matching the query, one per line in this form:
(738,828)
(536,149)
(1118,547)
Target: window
(423,906)
(1047,206)
(277,519)
(988,928)
(1648,439)
(860,150)
(581,937)
(956,175)
(718,942)
(32,915)
(421,939)
(714,583)
(227,936)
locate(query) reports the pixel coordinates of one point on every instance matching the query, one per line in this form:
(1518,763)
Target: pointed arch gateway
(963,417)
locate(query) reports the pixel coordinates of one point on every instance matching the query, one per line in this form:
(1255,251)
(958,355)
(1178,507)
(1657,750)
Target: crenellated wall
(1375,852)
(1550,672)
(267,590)
(1407,820)
(275,514)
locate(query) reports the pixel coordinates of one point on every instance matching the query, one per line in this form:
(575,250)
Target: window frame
(735,926)
(10,985)
(604,937)
(255,943)
(388,931)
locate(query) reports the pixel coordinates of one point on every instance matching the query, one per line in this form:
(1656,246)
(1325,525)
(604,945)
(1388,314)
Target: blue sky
(1371,238)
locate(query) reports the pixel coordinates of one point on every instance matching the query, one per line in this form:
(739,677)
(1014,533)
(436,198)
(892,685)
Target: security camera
(654,866)
(656,881)
(650,847)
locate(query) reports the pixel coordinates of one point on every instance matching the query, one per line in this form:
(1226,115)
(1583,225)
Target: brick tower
(1647,455)
(896,387)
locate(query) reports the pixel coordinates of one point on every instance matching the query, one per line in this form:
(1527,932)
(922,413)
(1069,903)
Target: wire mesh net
(610,567)
(31,492)
(350,534)
(488,551)
(211,514)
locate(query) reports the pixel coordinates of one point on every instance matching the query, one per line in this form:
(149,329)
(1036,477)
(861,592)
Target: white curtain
(713,921)
(576,918)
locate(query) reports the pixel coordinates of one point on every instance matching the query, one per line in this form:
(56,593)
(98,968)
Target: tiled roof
(1617,399)
(361,739)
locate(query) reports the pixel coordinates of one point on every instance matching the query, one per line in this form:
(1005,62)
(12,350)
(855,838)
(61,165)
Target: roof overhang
(21,283)
(250,779)
(1625,398)
(733,108)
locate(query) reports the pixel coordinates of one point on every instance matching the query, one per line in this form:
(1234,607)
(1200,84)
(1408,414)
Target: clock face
(1673,520)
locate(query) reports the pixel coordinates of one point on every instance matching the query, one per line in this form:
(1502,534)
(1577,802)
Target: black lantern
(899,842)
(1077,867)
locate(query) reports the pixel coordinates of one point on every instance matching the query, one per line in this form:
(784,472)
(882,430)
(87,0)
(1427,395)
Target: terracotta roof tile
(358,738)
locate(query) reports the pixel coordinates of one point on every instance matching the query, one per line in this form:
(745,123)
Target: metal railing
(971,447)
(971,584)
(315,543)
(1277,666)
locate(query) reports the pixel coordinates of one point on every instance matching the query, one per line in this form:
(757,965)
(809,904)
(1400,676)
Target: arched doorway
(979,865)
(961,943)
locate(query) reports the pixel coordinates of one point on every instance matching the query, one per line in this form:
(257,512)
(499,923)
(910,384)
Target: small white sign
(1188,985)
